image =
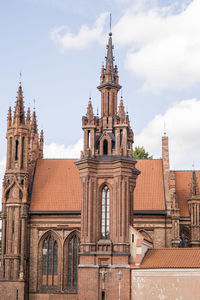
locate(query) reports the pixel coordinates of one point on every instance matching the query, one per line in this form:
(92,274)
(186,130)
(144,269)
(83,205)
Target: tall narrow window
(10,153)
(71,263)
(50,262)
(105,147)
(120,137)
(88,139)
(105,213)
(22,154)
(16,149)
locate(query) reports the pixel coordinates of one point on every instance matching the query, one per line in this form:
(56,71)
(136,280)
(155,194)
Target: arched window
(105,213)
(16,149)
(10,154)
(105,147)
(50,262)
(71,263)
(22,154)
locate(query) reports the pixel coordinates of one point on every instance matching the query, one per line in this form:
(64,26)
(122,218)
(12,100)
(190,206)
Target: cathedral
(104,226)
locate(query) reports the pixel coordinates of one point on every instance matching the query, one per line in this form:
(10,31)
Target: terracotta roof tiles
(171,258)
(183,180)
(57,186)
(149,191)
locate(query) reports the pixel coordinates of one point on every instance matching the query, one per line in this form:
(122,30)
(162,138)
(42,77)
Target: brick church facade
(100,226)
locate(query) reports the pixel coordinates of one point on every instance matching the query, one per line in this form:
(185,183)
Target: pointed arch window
(105,147)
(105,213)
(71,263)
(50,262)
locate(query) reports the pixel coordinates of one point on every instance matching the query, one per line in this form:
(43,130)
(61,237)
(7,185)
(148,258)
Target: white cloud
(163,44)
(86,36)
(183,128)
(61,151)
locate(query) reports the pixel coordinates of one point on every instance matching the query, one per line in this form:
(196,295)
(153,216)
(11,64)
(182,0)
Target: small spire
(194,189)
(28,116)
(41,143)
(9,117)
(90,113)
(121,112)
(34,128)
(19,116)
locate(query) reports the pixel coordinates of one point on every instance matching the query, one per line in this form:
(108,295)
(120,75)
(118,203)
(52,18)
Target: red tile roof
(149,191)
(171,258)
(183,180)
(57,186)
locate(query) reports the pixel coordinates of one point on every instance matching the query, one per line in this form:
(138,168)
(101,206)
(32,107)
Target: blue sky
(59,46)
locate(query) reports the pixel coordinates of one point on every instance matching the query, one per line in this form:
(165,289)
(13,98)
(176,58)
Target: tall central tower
(108,176)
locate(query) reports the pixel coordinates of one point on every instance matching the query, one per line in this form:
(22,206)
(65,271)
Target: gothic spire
(90,113)
(109,60)
(121,112)
(19,115)
(34,129)
(28,117)
(194,189)
(9,117)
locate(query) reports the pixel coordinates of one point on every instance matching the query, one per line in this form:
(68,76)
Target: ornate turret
(15,196)
(111,134)
(108,176)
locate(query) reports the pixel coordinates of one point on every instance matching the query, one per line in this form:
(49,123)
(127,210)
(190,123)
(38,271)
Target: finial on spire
(165,129)
(34,104)
(110,24)
(20,78)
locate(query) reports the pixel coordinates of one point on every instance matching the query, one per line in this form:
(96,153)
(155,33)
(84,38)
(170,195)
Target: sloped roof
(183,180)
(57,186)
(149,191)
(171,258)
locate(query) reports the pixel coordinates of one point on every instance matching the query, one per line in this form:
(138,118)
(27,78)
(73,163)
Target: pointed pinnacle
(194,189)
(121,112)
(9,117)
(19,115)
(34,128)
(90,113)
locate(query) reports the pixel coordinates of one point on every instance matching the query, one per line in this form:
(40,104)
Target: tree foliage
(140,153)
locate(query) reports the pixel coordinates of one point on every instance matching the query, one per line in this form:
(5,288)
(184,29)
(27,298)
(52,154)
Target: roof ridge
(171,248)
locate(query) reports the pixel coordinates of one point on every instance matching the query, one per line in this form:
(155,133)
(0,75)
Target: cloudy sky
(59,46)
